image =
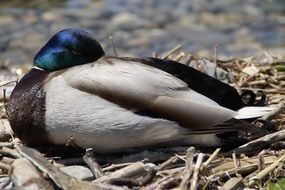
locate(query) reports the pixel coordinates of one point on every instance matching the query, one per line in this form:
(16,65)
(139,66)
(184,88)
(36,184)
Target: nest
(257,164)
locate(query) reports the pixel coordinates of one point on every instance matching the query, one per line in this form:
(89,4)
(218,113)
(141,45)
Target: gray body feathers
(95,104)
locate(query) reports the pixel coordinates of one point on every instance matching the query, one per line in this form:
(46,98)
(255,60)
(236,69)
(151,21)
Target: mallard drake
(116,104)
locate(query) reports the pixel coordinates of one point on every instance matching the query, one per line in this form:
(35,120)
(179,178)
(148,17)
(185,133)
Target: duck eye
(76,52)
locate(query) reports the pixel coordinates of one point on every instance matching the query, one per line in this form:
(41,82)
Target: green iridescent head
(68,48)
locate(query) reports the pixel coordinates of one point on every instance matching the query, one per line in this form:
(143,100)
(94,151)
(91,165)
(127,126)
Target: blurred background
(240,28)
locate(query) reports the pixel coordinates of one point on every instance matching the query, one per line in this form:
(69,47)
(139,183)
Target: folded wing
(140,87)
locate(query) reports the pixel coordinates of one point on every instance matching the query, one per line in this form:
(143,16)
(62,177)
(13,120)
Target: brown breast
(26,108)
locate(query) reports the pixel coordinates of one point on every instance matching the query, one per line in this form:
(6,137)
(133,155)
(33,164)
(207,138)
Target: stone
(128,21)
(6,20)
(50,16)
(79,172)
(30,41)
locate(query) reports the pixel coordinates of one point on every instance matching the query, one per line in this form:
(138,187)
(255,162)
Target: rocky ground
(240,28)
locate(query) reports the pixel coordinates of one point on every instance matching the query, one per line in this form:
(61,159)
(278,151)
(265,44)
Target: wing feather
(137,87)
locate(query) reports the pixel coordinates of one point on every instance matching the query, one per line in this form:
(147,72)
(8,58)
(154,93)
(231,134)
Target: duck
(116,104)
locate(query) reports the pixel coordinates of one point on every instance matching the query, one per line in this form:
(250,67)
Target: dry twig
(113,46)
(188,168)
(266,171)
(91,162)
(196,171)
(172,51)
